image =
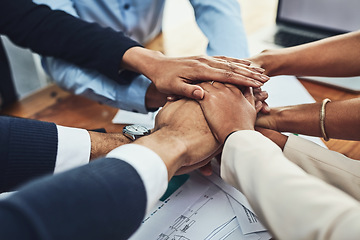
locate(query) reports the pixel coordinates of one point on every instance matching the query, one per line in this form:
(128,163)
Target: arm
(127,94)
(221,23)
(28,149)
(54,33)
(139,171)
(332,167)
(283,195)
(333,57)
(31,148)
(341,119)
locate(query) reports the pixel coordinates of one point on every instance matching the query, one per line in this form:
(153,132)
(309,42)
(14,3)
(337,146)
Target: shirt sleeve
(330,166)
(126,94)
(149,166)
(221,23)
(28,149)
(290,202)
(74,146)
(58,34)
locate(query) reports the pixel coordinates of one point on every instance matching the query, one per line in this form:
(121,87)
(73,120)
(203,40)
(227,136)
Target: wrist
(271,61)
(154,99)
(141,60)
(103,143)
(173,159)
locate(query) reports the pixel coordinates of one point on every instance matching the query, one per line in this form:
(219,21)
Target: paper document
(199,209)
(126,117)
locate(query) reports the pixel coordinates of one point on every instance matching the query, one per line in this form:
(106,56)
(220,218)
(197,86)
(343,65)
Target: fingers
(206,170)
(241,62)
(221,69)
(265,109)
(249,95)
(241,77)
(187,90)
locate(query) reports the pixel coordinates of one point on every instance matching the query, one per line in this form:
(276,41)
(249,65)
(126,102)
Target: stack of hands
(191,130)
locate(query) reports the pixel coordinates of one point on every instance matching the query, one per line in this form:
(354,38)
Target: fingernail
(264,77)
(260,69)
(267,108)
(198,94)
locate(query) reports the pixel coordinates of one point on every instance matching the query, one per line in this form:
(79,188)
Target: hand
(269,120)
(265,61)
(260,104)
(182,137)
(177,76)
(154,99)
(278,138)
(227,110)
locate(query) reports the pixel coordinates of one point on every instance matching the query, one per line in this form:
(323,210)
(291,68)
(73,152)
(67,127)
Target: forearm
(279,192)
(126,94)
(330,166)
(341,119)
(55,33)
(108,187)
(103,143)
(173,159)
(336,56)
(28,149)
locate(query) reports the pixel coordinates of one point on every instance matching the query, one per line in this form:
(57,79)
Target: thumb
(249,95)
(190,91)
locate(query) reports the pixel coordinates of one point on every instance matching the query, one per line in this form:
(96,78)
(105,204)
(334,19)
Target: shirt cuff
(74,146)
(149,166)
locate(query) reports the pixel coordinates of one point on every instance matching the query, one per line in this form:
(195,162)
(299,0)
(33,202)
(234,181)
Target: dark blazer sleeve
(28,148)
(105,199)
(57,34)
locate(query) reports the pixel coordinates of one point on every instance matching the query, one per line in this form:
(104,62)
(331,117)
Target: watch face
(137,129)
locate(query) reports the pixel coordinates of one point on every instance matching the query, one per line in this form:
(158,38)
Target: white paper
(199,209)
(126,117)
(247,220)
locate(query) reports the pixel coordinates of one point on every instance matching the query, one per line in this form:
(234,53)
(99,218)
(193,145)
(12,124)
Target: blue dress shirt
(219,20)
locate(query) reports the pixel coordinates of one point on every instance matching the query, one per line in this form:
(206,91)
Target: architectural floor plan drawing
(199,209)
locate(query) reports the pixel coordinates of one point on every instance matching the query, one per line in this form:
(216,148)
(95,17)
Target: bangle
(322,119)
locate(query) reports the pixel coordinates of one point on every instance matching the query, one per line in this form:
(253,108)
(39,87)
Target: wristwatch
(135,131)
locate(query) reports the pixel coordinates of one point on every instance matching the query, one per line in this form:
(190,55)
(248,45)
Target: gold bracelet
(322,119)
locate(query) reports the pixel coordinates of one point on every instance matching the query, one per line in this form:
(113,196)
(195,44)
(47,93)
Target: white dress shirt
(74,146)
(149,166)
(220,21)
(290,202)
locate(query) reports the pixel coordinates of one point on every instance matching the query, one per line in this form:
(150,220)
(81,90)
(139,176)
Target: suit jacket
(292,203)
(105,199)
(28,149)
(57,34)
